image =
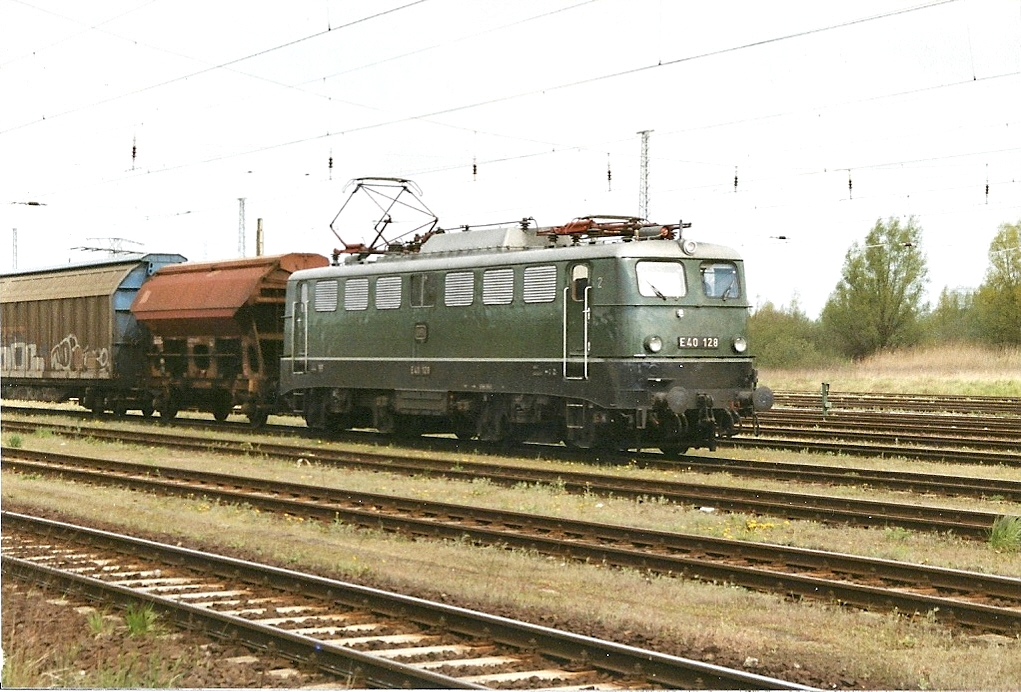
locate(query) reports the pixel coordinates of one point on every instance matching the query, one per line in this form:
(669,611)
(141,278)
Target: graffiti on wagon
(68,356)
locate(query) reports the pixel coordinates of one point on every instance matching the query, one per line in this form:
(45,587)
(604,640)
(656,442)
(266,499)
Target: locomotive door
(299,332)
(577,313)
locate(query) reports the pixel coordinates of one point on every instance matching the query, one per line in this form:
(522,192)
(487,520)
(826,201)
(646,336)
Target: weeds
(141,620)
(14,441)
(98,622)
(1005,535)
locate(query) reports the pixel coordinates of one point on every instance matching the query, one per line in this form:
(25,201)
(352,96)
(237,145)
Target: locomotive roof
(513,245)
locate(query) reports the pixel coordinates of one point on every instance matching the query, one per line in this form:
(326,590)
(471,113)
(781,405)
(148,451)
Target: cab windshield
(720,280)
(661,279)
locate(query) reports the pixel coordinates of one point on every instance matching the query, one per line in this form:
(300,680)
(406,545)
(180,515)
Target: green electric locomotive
(608,332)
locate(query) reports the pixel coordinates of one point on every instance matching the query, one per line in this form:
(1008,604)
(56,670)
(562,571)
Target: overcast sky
(916,103)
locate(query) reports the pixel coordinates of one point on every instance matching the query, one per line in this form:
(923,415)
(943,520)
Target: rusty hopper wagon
(68,333)
(218,333)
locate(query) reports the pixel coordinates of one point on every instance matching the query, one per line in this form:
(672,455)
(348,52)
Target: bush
(784,338)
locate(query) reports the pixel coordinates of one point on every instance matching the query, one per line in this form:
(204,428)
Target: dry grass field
(949,369)
(815,642)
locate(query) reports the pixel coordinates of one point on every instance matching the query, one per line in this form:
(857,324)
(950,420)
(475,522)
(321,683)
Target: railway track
(969,439)
(928,403)
(364,636)
(909,441)
(961,486)
(784,504)
(972,600)
(965,427)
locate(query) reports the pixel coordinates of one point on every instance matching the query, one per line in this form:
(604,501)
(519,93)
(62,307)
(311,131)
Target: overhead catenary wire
(551,149)
(421,117)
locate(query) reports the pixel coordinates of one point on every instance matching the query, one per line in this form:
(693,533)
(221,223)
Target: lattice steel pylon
(643,182)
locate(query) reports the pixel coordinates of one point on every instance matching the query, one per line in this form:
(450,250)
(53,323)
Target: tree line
(878,303)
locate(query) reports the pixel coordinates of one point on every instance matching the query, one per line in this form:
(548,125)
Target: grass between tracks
(815,642)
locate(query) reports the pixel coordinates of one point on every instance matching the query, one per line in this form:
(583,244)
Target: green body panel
(619,321)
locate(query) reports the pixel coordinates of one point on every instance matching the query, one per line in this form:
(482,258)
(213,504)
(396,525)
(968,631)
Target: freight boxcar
(68,333)
(217,333)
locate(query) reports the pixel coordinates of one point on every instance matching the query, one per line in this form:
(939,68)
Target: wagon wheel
(168,406)
(257,418)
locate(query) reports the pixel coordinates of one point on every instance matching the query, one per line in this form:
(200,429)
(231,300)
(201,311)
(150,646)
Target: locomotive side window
(540,284)
(579,281)
(661,279)
(423,291)
(459,289)
(326,296)
(719,280)
(498,287)
(388,292)
(356,294)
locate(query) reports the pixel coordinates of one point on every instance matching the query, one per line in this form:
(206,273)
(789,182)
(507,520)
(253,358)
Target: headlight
(740,344)
(653,344)
(689,247)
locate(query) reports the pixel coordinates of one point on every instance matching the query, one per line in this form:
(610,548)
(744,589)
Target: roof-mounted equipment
(387,193)
(626,228)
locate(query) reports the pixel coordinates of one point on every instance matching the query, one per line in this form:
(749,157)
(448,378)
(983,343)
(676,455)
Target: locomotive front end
(681,314)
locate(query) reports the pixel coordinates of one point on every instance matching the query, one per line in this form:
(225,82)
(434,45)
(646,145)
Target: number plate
(698,342)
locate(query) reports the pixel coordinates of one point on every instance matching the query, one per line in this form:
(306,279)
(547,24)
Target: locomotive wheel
(674,451)
(221,410)
(406,427)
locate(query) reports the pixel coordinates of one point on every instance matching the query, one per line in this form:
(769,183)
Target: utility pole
(643,183)
(241,226)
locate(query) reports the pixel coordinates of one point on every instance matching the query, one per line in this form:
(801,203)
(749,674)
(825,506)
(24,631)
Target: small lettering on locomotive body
(418,370)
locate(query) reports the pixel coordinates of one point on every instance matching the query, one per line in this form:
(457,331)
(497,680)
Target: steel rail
(911,441)
(787,504)
(1004,452)
(895,422)
(616,660)
(949,456)
(934,403)
(908,481)
(978,488)
(771,568)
